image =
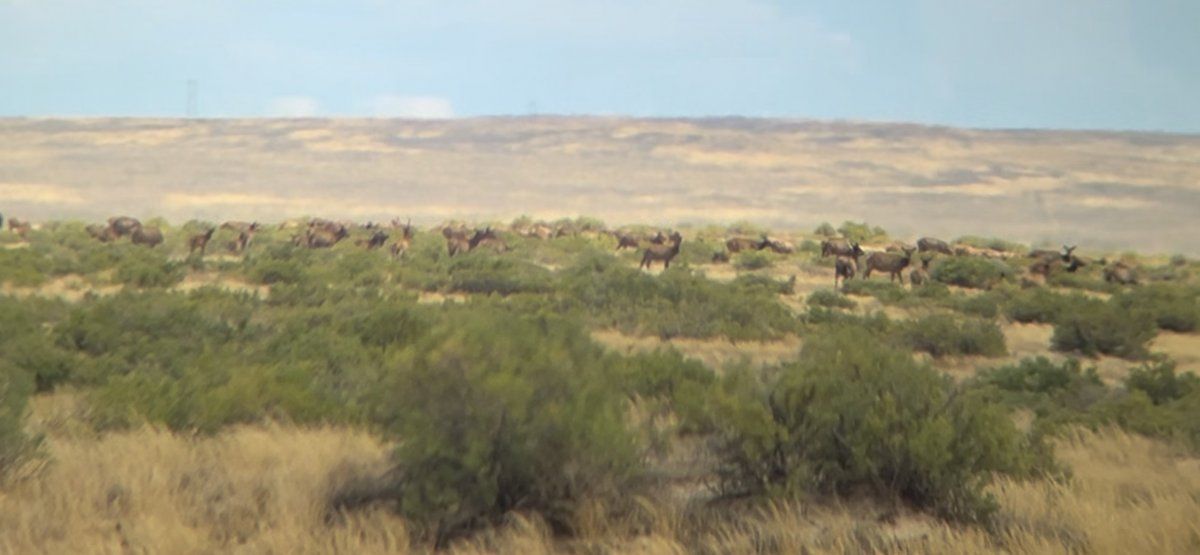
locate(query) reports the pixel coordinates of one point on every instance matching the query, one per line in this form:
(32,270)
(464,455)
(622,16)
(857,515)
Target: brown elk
(780,247)
(487,238)
(930,244)
(920,276)
(200,241)
(241,227)
(121,226)
(1120,273)
(376,240)
(146,235)
(626,240)
(20,227)
(890,262)
(739,244)
(323,237)
(897,246)
(840,247)
(456,239)
(662,253)
(401,245)
(100,233)
(1043,253)
(844,268)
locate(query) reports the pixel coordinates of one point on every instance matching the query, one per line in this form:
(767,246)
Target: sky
(1075,64)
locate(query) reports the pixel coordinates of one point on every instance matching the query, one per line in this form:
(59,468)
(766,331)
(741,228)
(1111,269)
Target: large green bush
(16,385)
(852,415)
(1172,307)
(1094,327)
(942,335)
(498,412)
(970,271)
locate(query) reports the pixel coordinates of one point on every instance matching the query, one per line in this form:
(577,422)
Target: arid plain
(1104,190)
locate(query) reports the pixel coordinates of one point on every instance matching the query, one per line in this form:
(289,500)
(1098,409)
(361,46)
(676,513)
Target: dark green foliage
(673,304)
(143,267)
(825,230)
(886,291)
(1160,383)
(1042,305)
(854,415)
(752,260)
(829,299)
(1040,375)
(499,412)
(765,284)
(942,335)
(22,267)
(970,271)
(664,374)
(1172,307)
(1094,327)
(485,273)
(861,232)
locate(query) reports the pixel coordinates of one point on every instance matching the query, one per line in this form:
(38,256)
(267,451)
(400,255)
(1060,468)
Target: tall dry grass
(264,489)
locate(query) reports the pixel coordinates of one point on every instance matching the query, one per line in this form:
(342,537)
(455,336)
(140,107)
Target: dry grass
(263,489)
(716,353)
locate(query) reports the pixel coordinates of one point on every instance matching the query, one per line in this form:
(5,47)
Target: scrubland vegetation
(288,399)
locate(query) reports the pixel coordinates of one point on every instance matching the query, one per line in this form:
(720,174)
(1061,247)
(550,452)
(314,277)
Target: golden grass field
(1104,190)
(263,489)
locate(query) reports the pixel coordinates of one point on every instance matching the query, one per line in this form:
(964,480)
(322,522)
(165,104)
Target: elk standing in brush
(738,244)
(121,226)
(930,244)
(320,238)
(100,233)
(456,239)
(840,247)
(20,227)
(487,238)
(844,268)
(920,276)
(377,239)
(200,241)
(401,245)
(147,235)
(1120,274)
(892,263)
(662,253)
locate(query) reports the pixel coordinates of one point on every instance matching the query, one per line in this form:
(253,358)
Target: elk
(844,268)
(929,244)
(200,241)
(456,239)
(1043,253)
(123,225)
(322,238)
(897,246)
(890,262)
(100,233)
(840,247)
(779,247)
(487,237)
(401,245)
(377,239)
(1120,274)
(626,240)
(662,253)
(146,235)
(20,227)
(739,244)
(920,276)
(241,227)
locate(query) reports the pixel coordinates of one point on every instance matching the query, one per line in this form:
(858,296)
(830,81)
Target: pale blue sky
(1112,64)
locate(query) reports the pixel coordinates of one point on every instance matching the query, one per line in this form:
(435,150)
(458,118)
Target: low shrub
(970,271)
(1160,383)
(887,292)
(142,267)
(16,385)
(1041,305)
(829,299)
(752,260)
(484,273)
(941,335)
(1092,327)
(854,415)
(861,232)
(1172,307)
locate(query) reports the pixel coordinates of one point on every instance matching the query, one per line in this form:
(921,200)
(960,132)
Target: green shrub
(854,415)
(1172,307)
(1040,375)
(941,335)
(752,260)
(141,267)
(886,291)
(970,271)
(1160,383)
(498,413)
(1042,305)
(22,268)
(484,273)
(825,230)
(992,243)
(1093,327)
(862,233)
(829,299)
(663,373)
